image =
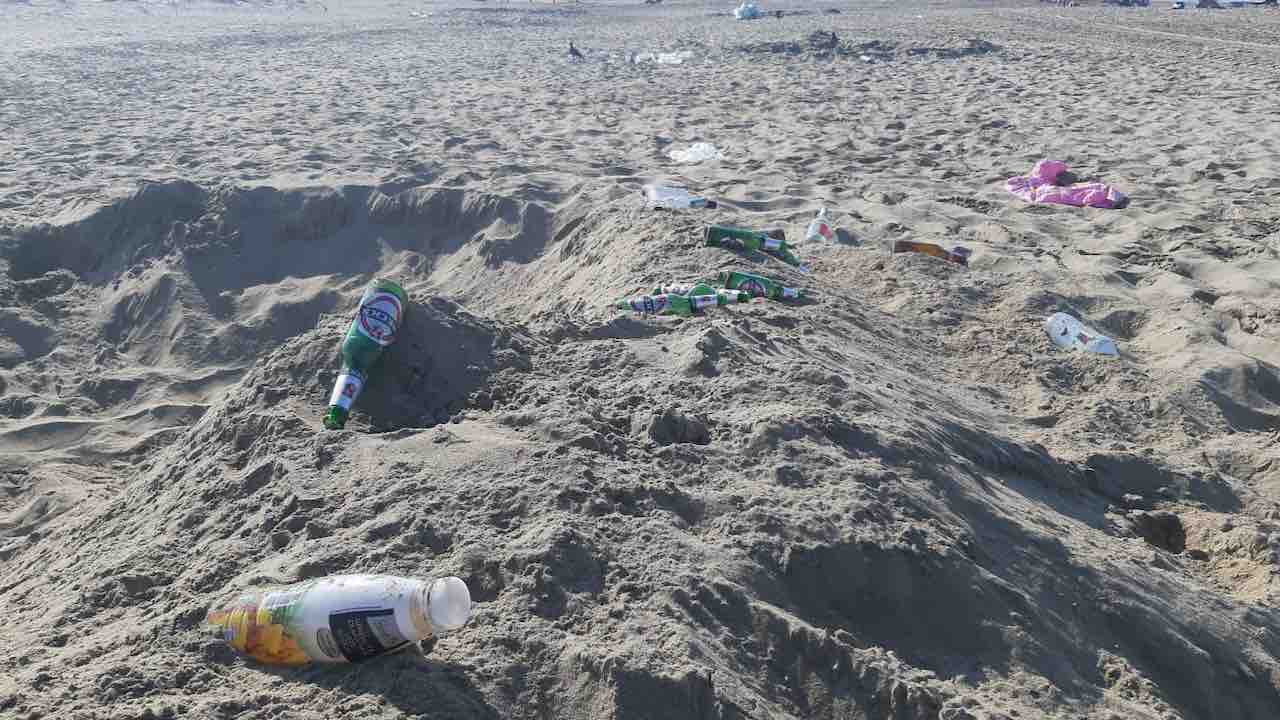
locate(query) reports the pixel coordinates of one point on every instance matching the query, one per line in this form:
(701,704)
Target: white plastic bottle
(674,198)
(1068,332)
(343,618)
(819,228)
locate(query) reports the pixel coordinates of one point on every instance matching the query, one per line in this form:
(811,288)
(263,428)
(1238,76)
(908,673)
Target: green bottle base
(336,418)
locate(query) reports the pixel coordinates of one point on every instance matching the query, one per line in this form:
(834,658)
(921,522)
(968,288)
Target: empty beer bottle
(958,254)
(374,328)
(674,304)
(758,286)
(772,242)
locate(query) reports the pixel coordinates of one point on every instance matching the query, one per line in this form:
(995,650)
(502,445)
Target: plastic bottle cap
(449,603)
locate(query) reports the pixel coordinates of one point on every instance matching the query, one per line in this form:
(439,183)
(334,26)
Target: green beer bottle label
(379,318)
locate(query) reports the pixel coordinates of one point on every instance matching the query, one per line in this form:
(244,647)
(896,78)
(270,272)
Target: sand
(895,500)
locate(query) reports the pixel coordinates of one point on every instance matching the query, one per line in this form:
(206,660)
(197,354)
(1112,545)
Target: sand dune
(895,500)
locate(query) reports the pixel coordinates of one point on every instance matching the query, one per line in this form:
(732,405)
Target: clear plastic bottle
(674,198)
(819,228)
(339,619)
(1068,332)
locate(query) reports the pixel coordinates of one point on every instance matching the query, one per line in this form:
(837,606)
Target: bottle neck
(420,611)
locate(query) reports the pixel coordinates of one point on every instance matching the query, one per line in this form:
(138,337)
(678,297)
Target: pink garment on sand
(1041,187)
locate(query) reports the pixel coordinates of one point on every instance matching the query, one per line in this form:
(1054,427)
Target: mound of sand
(895,500)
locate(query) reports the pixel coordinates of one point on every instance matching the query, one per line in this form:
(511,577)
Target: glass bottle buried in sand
(958,254)
(340,619)
(675,304)
(772,242)
(758,286)
(374,328)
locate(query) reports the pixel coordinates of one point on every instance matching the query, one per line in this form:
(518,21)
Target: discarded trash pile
(826,43)
(812,431)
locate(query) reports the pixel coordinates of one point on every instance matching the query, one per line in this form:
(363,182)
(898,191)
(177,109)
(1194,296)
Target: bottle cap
(448,603)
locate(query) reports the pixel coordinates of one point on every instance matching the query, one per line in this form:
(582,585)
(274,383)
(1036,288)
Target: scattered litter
(674,198)
(666,58)
(748,10)
(819,228)
(1044,185)
(1067,332)
(772,242)
(958,254)
(696,153)
(339,619)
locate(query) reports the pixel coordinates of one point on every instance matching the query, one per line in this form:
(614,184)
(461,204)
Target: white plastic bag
(1068,332)
(696,153)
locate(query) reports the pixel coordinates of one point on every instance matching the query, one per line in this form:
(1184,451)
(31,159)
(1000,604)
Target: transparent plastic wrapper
(663,58)
(1067,332)
(748,10)
(696,153)
(672,197)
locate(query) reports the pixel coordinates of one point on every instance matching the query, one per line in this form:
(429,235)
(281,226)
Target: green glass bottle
(685,305)
(758,286)
(772,242)
(374,328)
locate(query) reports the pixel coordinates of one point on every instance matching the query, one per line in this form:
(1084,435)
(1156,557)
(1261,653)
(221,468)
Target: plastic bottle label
(824,230)
(345,390)
(362,634)
(379,318)
(772,244)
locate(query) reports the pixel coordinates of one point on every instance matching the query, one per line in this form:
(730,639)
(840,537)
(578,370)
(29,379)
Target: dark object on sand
(573,51)
(1208,5)
(777,14)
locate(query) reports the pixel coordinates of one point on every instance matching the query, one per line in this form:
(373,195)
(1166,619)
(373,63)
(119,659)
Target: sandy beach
(896,499)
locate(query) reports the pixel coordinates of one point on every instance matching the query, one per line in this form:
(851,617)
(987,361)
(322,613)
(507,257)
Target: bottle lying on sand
(339,619)
(758,286)
(674,198)
(958,254)
(772,242)
(819,228)
(680,304)
(700,288)
(373,329)
(1068,332)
